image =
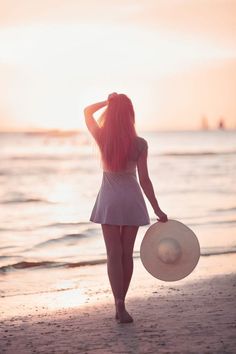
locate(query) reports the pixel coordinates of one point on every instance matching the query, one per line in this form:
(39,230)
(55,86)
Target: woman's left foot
(124,317)
(121,314)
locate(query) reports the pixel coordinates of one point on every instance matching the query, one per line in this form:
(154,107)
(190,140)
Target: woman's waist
(120,173)
(129,169)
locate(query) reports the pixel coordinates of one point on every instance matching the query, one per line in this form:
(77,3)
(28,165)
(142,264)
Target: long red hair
(117,132)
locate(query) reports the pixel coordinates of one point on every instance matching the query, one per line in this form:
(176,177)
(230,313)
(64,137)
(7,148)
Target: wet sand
(194,315)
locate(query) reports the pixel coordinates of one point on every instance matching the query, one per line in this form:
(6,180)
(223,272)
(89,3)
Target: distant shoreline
(58,132)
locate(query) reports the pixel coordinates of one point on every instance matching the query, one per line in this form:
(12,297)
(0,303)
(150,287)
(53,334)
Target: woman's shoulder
(137,147)
(142,143)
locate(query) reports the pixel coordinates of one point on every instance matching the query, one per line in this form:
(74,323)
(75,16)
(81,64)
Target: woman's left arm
(91,123)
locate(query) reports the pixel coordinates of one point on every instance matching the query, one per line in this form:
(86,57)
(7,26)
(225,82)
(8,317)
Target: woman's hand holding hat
(162,217)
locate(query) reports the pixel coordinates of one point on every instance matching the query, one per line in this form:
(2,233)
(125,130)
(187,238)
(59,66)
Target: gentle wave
(68,237)
(198,153)
(49,264)
(153,220)
(86,155)
(46,157)
(205,252)
(57,224)
(225,209)
(26,200)
(214,222)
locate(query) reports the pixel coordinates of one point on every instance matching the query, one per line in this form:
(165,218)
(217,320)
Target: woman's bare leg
(128,236)
(112,238)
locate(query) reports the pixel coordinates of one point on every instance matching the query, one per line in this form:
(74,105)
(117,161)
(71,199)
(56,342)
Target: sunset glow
(51,69)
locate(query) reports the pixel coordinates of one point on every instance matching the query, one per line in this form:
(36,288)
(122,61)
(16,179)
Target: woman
(120,207)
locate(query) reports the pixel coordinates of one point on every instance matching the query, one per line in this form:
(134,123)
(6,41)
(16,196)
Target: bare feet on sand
(121,314)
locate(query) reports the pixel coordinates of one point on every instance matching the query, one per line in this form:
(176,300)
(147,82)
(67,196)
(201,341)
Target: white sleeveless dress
(120,200)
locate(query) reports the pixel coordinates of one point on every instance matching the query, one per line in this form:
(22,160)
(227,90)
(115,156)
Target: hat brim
(189,246)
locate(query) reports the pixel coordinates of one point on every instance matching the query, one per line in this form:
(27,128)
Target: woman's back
(139,144)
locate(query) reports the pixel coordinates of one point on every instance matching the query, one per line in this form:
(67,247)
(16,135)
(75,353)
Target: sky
(176,60)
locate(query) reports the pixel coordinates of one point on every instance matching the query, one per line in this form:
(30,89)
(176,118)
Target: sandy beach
(194,315)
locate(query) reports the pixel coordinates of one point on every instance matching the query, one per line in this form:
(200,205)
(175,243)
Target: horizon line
(78,131)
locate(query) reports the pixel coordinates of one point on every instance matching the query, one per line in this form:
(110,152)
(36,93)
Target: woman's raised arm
(90,121)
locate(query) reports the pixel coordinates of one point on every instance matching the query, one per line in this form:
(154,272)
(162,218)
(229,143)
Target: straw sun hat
(169,251)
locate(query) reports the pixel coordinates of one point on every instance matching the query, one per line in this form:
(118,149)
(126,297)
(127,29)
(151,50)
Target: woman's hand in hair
(112,95)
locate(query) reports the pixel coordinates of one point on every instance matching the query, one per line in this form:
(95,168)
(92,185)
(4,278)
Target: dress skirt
(120,201)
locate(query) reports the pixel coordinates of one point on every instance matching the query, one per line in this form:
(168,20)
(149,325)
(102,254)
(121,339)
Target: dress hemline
(116,224)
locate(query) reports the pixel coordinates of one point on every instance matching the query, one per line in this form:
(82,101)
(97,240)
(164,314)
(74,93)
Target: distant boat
(204,124)
(221,124)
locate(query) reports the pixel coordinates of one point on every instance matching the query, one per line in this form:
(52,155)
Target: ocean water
(49,183)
